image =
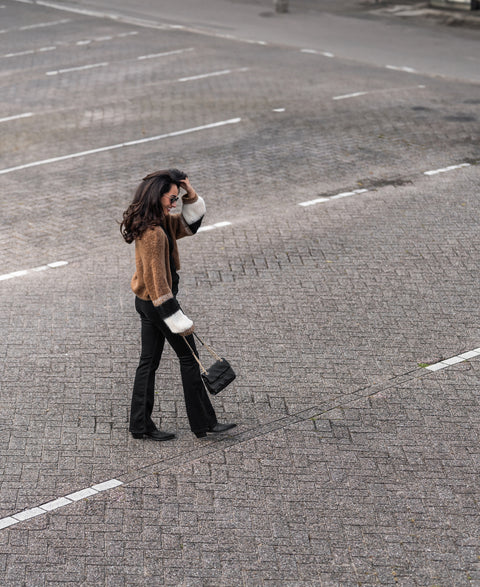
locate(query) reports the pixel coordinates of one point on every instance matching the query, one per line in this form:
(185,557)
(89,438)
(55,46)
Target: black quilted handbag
(218,375)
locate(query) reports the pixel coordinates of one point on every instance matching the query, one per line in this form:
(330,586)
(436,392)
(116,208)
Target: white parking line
(335,197)
(16,116)
(35,26)
(165,54)
(315,52)
(64,44)
(401,68)
(445,169)
(121,145)
(23,272)
(29,52)
(79,68)
(212,74)
(99,14)
(454,360)
(345,96)
(213,226)
(58,503)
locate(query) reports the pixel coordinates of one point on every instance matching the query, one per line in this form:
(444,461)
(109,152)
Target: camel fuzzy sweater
(153,278)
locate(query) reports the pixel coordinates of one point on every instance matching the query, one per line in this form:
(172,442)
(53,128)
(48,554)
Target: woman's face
(169,200)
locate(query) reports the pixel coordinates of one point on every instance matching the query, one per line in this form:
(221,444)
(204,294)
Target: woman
(148,221)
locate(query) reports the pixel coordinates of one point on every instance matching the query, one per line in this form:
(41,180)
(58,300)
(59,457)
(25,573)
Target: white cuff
(178,322)
(194,212)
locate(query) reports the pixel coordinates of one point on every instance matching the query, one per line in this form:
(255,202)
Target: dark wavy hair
(146,208)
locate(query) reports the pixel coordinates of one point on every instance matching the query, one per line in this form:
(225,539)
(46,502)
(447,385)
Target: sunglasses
(174,199)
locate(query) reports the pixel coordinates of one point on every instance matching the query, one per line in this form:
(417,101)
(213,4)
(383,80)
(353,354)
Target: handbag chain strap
(211,351)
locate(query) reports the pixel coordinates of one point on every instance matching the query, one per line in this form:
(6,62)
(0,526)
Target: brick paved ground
(352,464)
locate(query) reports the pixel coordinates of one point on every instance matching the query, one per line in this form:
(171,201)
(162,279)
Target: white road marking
(98,14)
(79,68)
(23,272)
(315,52)
(279,110)
(212,74)
(36,26)
(213,226)
(58,503)
(445,169)
(29,52)
(454,360)
(345,96)
(121,145)
(398,68)
(77,43)
(336,197)
(383,91)
(165,54)
(16,116)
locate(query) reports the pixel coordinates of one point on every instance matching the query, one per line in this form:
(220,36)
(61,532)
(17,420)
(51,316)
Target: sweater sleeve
(190,219)
(151,253)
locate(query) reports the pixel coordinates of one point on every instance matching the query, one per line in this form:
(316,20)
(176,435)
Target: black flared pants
(200,412)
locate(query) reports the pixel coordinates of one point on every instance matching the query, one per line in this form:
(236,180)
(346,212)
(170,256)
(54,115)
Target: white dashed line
(165,54)
(398,68)
(278,110)
(212,74)
(58,503)
(315,52)
(29,52)
(336,197)
(454,360)
(17,116)
(79,68)
(345,96)
(23,272)
(36,26)
(213,226)
(121,145)
(445,169)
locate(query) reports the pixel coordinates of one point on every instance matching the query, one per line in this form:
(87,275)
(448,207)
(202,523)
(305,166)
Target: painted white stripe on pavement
(29,52)
(6,522)
(58,503)
(315,52)
(16,117)
(82,494)
(345,96)
(166,54)
(445,169)
(27,514)
(397,68)
(55,504)
(23,272)
(79,68)
(212,74)
(35,26)
(98,14)
(336,197)
(213,226)
(454,360)
(121,145)
(107,485)
(43,24)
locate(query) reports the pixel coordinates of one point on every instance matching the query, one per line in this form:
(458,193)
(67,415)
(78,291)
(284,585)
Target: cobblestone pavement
(353,463)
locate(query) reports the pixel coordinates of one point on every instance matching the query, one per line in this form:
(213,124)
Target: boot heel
(200,434)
